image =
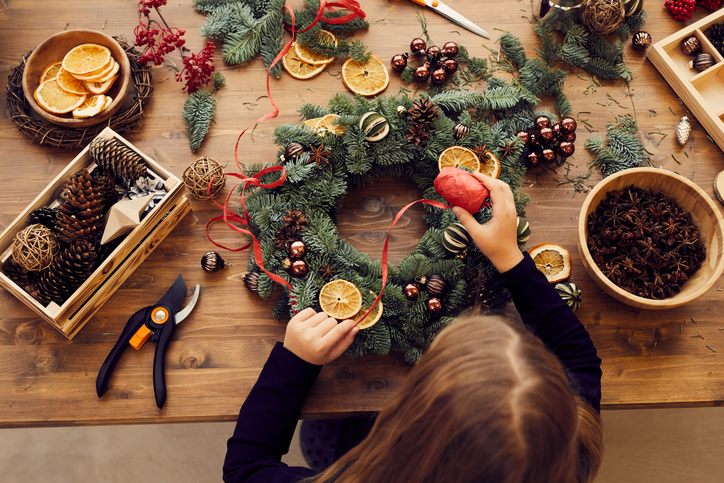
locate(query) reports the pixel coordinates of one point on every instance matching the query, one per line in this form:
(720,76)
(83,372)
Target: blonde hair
(487,402)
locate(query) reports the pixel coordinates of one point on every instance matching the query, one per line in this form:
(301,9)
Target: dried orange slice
(54,99)
(70,84)
(327,124)
(104,76)
(101,87)
(92,106)
(306,55)
(299,69)
(368,79)
(371,319)
(340,299)
(489,165)
(552,260)
(51,72)
(86,58)
(311,123)
(108,102)
(458,156)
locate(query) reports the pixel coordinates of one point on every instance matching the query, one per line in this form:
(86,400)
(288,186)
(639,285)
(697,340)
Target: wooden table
(650,359)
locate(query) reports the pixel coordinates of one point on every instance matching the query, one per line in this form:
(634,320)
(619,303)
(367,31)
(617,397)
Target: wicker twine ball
(602,16)
(35,247)
(198,175)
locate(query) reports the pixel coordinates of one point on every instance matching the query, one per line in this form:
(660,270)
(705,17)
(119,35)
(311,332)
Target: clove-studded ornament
(683,129)
(299,268)
(412,291)
(434,305)
(297,249)
(251,280)
(212,262)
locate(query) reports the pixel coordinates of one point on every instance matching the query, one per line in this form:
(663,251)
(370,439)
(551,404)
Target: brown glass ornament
(292,150)
(542,121)
(451,65)
(251,280)
(690,46)
(399,62)
(556,129)
(450,49)
(435,285)
(532,140)
(418,46)
(460,131)
(546,135)
(212,262)
(434,305)
(524,135)
(412,291)
(433,53)
(421,73)
(532,159)
(566,149)
(570,137)
(702,62)
(299,268)
(297,249)
(568,124)
(641,40)
(548,156)
(438,76)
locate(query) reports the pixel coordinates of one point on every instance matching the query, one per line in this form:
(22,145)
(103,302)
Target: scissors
(157,321)
(452,15)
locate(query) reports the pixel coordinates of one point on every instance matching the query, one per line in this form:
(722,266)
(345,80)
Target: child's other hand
(317,338)
(498,238)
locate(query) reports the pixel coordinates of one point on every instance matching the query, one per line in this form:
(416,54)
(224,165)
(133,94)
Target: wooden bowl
(691,199)
(53,50)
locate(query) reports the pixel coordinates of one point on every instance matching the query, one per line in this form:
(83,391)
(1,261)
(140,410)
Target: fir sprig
(198,113)
(621,149)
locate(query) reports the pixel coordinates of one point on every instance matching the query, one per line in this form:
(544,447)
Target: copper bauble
(451,65)
(434,305)
(568,124)
(525,136)
(702,62)
(557,128)
(299,268)
(433,53)
(542,121)
(460,131)
(691,46)
(438,76)
(399,62)
(532,140)
(532,159)
(570,137)
(418,46)
(297,249)
(412,291)
(548,156)
(450,49)
(641,40)
(566,149)
(421,73)
(546,135)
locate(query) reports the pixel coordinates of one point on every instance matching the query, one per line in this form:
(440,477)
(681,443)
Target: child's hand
(317,338)
(498,238)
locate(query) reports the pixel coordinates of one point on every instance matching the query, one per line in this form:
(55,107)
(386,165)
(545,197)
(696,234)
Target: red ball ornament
(297,249)
(412,291)
(299,268)
(460,188)
(399,62)
(434,305)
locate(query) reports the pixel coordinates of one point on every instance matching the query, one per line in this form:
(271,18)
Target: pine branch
(511,46)
(210,6)
(198,113)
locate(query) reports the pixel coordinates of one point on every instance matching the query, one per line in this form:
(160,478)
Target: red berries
(681,9)
(710,4)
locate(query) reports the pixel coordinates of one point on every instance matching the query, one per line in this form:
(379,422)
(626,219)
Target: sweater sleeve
(267,421)
(548,317)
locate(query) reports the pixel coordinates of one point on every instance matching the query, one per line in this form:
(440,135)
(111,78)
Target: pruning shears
(157,322)
(452,15)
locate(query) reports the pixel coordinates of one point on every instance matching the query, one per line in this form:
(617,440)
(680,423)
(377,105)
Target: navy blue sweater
(269,415)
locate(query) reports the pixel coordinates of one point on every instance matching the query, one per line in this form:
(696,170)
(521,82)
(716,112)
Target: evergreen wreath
(306,206)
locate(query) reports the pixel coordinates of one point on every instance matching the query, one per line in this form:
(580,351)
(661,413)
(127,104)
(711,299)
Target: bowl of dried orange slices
(77,78)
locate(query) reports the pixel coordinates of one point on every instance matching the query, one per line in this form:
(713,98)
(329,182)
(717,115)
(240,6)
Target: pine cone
(17,274)
(716,36)
(487,293)
(284,238)
(117,159)
(296,220)
(46,216)
(418,134)
(67,272)
(423,112)
(84,201)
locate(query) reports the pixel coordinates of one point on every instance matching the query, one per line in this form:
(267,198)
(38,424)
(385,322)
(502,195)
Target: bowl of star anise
(651,238)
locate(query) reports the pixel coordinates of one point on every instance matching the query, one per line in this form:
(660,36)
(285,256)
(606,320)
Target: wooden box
(119,265)
(702,92)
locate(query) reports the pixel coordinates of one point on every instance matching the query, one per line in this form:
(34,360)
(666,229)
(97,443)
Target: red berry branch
(159,39)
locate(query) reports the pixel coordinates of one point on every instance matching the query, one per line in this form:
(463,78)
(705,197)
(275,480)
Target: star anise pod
(418,134)
(326,272)
(480,151)
(319,155)
(296,220)
(508,148)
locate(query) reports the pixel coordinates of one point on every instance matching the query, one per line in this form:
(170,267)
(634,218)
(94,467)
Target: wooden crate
(702,92)
(119,265)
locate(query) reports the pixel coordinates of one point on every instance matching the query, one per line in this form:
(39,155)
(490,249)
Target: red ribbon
(436,204)
(230,216)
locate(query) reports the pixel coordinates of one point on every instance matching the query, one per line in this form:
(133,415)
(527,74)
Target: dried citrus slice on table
(306,55)
(371,319)
(458,156)
(70,84)
(86,59)
(299,69)
(552,260)
(51,72)
(340,299)
(92,106)
(367,79)
(54,99)
(327,124)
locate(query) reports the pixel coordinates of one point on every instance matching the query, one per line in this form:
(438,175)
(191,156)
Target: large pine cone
(84,201)
(46,216)
(17,274)
(423,111)
(418,134)
(117,159)
(67,272)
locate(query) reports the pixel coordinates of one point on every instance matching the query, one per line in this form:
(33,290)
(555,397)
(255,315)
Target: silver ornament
(682,130)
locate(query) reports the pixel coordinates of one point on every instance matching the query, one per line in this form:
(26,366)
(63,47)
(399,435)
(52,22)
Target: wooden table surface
(649,357)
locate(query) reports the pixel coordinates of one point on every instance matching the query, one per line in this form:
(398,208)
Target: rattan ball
(198,175)
(35,247)
(602,16)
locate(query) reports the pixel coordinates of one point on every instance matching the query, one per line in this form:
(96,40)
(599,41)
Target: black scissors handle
(132,326)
